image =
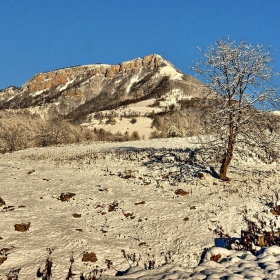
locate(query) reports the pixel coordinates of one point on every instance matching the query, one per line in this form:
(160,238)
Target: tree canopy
(240,77)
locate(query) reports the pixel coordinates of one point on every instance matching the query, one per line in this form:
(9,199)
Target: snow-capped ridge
(78,91)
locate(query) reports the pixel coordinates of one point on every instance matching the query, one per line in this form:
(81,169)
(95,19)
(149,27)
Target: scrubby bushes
(167,123)
(20,130)
(12,139)
(133,120)
(135,135)
(173,131)
(157,134)
(103,135)
(58,131)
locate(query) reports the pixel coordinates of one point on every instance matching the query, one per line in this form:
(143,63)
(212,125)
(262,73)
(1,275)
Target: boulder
(66,196)
(2,202)
(22,227)
(89,257)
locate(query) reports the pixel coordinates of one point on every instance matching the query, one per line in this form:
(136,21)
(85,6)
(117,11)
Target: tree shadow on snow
(184,160)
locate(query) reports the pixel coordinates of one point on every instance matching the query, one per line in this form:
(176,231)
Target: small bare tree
(240,84)
(12,138)
(56,131)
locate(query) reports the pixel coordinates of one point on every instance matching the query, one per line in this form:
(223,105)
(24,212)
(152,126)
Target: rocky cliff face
(77,91)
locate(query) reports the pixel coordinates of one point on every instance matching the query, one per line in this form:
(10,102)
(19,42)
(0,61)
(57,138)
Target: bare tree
(240,82)
(12,138)
(54,132)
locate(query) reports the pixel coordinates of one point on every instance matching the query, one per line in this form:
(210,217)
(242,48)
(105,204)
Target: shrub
(173,131)
(157,122)
(58,131)
(135,135)
(21,130)
(156,134)
(133,120)
(111,121)
(12,139)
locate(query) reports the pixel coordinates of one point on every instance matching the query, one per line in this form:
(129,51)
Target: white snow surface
(131,82)
(125,194)
(171,71)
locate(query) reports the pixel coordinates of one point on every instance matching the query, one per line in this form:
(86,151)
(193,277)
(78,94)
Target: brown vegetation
(20,130)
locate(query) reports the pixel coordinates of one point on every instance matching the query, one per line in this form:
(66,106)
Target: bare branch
(241,79)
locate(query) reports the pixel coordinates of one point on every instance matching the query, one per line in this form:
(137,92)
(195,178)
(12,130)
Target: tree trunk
(231,139)
(226,162)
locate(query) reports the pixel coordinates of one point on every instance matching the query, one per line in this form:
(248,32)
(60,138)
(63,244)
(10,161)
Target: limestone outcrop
(77,91)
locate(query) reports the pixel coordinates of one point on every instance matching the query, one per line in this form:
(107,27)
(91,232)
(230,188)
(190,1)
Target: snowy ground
(123,124)
(139,199)
(143,126)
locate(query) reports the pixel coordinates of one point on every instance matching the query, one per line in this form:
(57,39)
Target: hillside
(133,204)
(123,100)
(76,92)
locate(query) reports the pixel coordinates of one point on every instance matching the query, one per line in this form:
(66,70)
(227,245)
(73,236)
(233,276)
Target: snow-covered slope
(135,203)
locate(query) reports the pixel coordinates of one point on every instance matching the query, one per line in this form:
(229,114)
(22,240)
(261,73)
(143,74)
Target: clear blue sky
(43,35)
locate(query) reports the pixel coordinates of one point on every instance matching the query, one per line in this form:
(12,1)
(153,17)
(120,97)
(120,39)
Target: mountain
(76,92)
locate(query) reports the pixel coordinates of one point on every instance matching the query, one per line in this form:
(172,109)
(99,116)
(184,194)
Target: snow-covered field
(136,204)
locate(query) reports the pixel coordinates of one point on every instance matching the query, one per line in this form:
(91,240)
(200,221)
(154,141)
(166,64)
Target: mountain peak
(85,89)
